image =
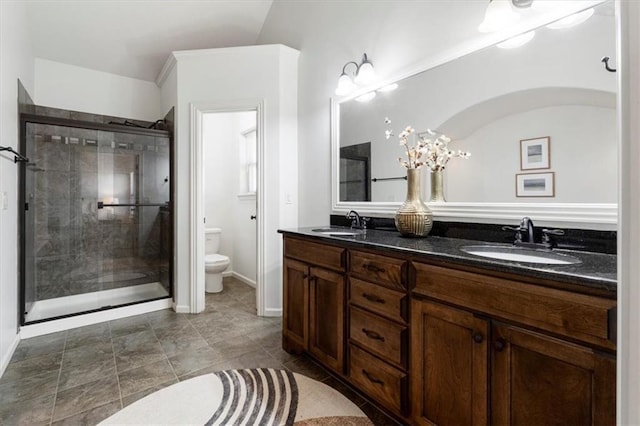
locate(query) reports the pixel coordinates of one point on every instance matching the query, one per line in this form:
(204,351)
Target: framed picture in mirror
(534,153)
(535,184)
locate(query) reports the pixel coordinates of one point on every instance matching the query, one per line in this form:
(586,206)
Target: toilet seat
(215,259)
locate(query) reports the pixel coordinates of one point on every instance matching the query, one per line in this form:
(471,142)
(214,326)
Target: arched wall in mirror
(487,102)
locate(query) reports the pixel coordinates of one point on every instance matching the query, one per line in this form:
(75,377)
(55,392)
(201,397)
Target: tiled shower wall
(78,247)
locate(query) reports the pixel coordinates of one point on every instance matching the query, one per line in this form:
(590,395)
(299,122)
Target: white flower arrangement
(431,149)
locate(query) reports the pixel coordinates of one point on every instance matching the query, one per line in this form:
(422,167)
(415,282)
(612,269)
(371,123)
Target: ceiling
(134,38)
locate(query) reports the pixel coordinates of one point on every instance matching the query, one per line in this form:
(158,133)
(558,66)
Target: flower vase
(413,218)
(437,191)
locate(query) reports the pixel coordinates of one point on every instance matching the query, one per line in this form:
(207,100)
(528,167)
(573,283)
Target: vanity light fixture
(517,41)
(499,15)
(571,20)
(364,74)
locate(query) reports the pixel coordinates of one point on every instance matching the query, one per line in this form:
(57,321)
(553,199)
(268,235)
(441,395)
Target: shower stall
(96,229)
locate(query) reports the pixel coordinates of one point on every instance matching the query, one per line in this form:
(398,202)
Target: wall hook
(605,60)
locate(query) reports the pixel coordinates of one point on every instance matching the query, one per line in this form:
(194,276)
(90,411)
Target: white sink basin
(521,255)
(338,232)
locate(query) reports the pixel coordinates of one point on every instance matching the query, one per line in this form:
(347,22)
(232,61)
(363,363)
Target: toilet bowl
(214,264)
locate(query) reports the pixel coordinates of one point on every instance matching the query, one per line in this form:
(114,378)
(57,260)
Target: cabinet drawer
(383,270)
(377,379)
(314,253)
(380,336)
(579,316)
(389,303)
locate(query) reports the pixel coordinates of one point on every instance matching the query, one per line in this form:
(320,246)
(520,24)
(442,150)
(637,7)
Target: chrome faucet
(526,224)
(357,221)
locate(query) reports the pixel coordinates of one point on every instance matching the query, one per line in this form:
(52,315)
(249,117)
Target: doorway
(197,225)
(230,189)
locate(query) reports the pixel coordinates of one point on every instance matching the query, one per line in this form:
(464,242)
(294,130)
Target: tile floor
(82,376)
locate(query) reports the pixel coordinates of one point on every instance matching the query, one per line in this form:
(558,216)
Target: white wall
(228,75)
(584,157)
(222,133)
(16,62)
(75,88)
(221,163)
(395,35)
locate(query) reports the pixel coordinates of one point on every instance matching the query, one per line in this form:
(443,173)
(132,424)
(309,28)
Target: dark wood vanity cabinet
(508,352)
(436,344)
(449,380)
(379,329)
(314,300)
(537,379)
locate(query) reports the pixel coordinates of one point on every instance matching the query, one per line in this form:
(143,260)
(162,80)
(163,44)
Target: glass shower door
(133,196)
(96,220)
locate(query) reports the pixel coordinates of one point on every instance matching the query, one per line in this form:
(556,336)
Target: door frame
(196,196)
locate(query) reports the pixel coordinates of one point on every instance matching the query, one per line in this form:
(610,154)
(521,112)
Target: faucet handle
(547,238)
(364,221)
(517,230)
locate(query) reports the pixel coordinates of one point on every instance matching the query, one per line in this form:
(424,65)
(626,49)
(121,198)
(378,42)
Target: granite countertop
(595,270)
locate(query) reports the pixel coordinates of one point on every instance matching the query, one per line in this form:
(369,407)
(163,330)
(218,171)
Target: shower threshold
(70,305)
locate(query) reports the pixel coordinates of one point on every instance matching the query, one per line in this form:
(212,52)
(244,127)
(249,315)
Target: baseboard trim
(239,277)
(7,358)
(244,279)
(271,312)
(182,309)
(53,326)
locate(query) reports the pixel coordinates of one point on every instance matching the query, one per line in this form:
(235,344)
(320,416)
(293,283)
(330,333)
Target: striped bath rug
(259,396)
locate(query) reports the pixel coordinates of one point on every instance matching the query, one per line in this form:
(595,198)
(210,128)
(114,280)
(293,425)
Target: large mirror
(539,121)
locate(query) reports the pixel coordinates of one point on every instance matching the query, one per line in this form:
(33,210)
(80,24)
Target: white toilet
(214,263)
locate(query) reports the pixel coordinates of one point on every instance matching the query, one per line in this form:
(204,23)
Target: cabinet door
(449,366)
(295,321)
(326,317)
(539,380)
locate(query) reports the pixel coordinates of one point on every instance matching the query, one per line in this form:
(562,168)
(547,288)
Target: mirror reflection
(539,121)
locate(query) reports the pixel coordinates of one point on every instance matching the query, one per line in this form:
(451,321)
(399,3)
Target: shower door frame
(26,118)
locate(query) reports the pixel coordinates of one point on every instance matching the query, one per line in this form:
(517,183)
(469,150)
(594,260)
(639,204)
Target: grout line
(166,357)
(115,364)
(55,395)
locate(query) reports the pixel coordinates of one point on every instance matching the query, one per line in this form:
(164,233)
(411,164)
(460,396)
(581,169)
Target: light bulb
(365,74)
(517,41)
(345,85)
(499,15)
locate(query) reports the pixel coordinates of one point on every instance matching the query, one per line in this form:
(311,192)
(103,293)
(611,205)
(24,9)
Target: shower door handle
(102,205)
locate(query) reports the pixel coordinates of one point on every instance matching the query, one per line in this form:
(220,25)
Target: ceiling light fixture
(498,16)
(571,20)
(517,41)
(364,74)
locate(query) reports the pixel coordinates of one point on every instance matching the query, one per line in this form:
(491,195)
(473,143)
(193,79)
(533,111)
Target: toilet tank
(212,240)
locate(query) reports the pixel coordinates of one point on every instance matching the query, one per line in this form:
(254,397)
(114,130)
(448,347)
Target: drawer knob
(372,268)
(498,345)
(372,335)
(372,298)
(371,378)
(477,337)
